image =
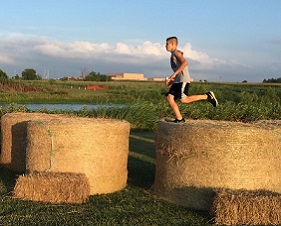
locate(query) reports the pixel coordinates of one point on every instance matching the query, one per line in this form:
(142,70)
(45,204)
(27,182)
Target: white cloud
(145,49)
(89,50)
(149,48)
(66,50)
(5,60)
(201,57)
(122,48)
(81,49)
(150,58)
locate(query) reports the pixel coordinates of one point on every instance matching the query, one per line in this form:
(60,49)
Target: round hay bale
(53,187)
(13,138)
(193,158)
(240,207)
(98,148)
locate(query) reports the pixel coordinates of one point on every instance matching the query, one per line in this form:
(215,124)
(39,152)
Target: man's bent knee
(170,98)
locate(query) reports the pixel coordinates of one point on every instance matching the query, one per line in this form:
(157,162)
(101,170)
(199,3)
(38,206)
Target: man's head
(171,43)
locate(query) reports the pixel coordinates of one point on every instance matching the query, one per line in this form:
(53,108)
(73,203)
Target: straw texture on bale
(195,157)
(53,187)
(13,138)
(241,207)
(96,147)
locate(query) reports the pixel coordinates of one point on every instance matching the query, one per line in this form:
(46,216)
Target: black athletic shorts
(179,90)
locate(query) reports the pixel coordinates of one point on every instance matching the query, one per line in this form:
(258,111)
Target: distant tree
(3,76)
(63,79)
(272,80)
(93,76)
(16,77)
(244,81)
(30,74)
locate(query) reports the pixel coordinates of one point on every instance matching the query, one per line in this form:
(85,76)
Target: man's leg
(174,106)
(193,98)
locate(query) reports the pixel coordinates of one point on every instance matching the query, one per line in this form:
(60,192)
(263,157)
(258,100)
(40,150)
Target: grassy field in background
(55,91)
(145,103)
(132,206)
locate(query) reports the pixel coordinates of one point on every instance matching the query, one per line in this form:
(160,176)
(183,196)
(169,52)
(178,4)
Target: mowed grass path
(132,206)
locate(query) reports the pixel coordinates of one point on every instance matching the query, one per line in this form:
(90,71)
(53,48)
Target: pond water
(72,107)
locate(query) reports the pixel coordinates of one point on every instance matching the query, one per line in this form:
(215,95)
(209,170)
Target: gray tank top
(183,76)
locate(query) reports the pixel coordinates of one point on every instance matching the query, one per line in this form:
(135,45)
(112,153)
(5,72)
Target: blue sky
(223,40)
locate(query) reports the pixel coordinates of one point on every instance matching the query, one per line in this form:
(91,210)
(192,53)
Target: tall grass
(146,115)
(145,104)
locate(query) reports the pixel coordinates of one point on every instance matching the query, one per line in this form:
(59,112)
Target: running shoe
(179,121)
(212,99)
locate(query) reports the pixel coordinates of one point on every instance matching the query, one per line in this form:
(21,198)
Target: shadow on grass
(141,163)
(141,167)
(8,180)
(141,174)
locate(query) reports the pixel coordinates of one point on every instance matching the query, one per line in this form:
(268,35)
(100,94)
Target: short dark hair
(171,38)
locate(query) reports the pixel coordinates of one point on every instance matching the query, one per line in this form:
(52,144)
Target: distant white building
(133,76)
(156,79)
(127,76)
(81,78)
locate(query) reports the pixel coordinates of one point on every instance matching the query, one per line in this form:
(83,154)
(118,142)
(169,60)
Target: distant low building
(74,78)
(127,76)
(162,79)
(156,79)
(133,76)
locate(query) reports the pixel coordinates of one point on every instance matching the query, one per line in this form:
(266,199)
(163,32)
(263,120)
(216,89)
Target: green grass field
(53,91)
(145,102)
(132,206)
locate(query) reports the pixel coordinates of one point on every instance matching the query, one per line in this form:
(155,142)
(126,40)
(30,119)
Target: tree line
(272,80)
(92,76)
(30,74)
(27,74)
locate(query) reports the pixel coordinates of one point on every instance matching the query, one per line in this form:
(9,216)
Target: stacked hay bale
(65,147)
(53,187)
(195,157)
(13,138)
(242,207)
(96,147)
